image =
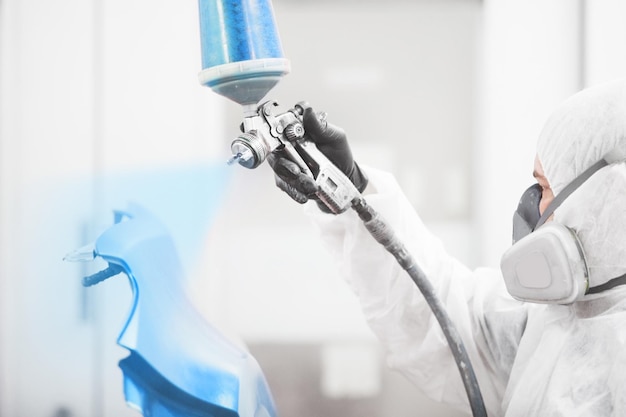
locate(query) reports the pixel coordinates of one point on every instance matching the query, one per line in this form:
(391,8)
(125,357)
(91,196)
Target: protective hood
(578,134)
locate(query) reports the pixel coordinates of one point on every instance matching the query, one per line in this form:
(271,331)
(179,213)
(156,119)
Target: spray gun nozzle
(234,158)
(242,155)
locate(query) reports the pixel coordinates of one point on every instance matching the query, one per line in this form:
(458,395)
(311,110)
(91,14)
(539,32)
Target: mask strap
(621,280)
(569,189)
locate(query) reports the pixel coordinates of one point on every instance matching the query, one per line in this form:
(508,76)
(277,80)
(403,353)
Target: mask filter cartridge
(548,266)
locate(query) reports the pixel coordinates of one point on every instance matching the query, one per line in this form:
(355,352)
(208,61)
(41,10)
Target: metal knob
(294,132)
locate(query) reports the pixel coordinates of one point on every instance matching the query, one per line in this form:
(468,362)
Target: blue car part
(179,365)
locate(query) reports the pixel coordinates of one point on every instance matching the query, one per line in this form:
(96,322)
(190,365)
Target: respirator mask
(546,263)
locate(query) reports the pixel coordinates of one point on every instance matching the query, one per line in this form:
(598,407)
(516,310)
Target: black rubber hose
(383,233)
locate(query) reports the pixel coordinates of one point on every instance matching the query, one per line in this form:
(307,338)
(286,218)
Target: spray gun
(267,132)
(242,60)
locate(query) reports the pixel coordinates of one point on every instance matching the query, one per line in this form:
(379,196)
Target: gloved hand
(332,142)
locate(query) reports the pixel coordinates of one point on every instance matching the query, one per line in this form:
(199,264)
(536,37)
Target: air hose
(383,233)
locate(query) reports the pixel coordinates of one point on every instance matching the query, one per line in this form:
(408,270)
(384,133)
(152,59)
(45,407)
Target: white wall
(605,33)
(86,98)
(45,137)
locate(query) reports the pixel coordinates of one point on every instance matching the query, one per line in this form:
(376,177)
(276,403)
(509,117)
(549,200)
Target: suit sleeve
(489,321)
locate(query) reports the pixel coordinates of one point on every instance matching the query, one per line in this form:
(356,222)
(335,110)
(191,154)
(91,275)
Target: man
(534,353)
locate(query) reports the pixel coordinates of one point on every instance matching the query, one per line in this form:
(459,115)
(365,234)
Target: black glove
(332,142)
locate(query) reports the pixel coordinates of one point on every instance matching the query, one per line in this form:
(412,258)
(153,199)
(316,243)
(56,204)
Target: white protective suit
(530,359)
